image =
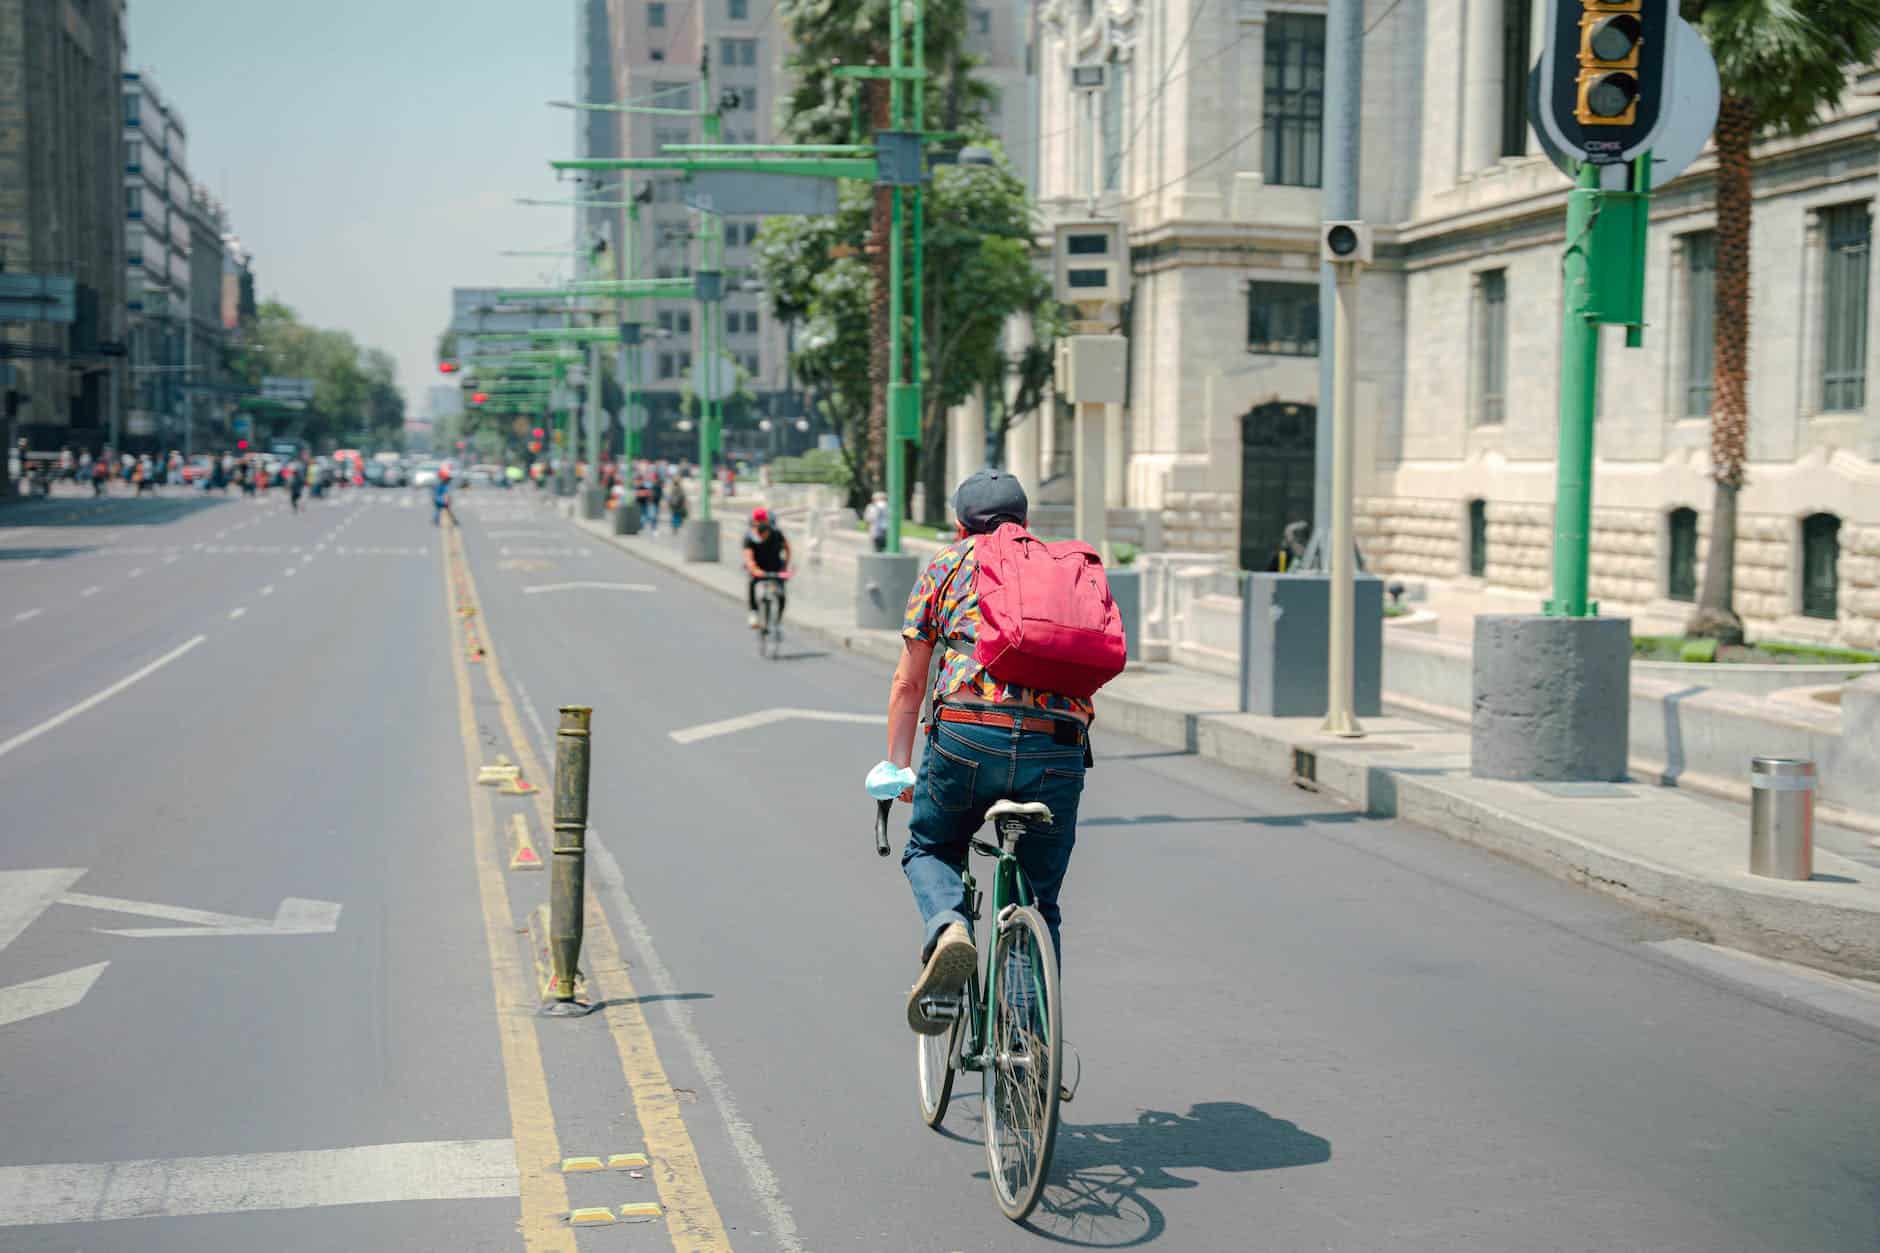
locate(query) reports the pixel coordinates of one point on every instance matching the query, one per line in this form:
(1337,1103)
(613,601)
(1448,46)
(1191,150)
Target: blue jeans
(965,768)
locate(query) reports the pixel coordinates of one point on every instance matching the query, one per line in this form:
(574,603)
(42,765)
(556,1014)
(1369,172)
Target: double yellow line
(692,1219)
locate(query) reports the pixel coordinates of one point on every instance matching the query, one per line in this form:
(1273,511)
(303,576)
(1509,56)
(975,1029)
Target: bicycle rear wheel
(939,1057)
(764,611)
(1024,1063)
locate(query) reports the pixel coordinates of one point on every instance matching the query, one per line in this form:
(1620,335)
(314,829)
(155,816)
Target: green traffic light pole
(1604,273)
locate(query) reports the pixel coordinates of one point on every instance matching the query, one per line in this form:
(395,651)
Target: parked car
(426,474)
(486,476)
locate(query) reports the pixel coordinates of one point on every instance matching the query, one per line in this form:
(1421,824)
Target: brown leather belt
(988,718)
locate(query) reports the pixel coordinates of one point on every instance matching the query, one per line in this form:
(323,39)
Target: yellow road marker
(570,1164)
(626,1161)
(692,1219)
(544,964)
(640,1209)
(518,786)
(597,1217)
(522,854)
(544,1194)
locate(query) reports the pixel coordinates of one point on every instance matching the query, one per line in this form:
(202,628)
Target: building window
(1681,555)
(666,369)
(134,201)
(747,97)
(656,14)
(1821,559)
(1113,100)
(663,135)
(982,21)
(133,108)
(738,52)
(1844,294)
(1517,21)
(1700,325)
(1491,346)
(747,361)
(676,321)
(738,10)
(1295,98)
(133,156)
(1283,319)
(1478,539)
(672,95)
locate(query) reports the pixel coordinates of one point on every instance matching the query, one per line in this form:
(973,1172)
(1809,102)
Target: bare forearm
(904,697)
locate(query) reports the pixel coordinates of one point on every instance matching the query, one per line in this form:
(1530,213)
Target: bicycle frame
(1009,887)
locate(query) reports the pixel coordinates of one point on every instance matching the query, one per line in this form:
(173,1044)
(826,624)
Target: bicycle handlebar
(881,826)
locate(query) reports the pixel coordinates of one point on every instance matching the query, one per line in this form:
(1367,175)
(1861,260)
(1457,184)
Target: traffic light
(1602,92)
(241,445)
(477,398)
(536,433)
(447,367)
(1611,32)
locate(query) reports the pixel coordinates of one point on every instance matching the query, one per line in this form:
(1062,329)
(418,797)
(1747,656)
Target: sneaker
(755,624)
(948,969)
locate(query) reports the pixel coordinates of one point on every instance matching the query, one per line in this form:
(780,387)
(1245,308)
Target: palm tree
(1782,64)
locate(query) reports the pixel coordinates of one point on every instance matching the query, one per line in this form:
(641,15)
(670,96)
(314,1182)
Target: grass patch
(1682,648)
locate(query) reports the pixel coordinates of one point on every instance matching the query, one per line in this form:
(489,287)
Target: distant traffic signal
(536,433)
(1602,91)
(241,445)
(447,367)
(477,398)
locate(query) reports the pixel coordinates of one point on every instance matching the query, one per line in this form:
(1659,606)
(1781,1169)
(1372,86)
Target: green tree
(978,274)
(1782,63)
(354,389)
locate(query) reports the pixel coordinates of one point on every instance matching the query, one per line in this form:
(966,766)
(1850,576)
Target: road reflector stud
(518,786)
(571,1164)
(598,1216)
(641,1211)
(626,1161)
(522,851)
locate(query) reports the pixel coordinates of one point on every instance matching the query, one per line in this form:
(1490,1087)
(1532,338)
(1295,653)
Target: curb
(1772,919)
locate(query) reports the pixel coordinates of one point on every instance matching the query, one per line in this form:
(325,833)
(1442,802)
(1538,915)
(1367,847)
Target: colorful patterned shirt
(944,609)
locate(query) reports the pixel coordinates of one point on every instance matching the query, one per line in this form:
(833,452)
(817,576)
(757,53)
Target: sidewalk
(1664,850)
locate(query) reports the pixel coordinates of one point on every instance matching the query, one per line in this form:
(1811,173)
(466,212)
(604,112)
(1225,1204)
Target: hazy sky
(370,151)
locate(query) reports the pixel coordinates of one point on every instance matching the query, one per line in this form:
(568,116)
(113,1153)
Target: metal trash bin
(1782,817)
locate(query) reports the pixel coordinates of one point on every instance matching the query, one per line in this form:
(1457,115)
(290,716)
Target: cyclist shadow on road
(1101,1172)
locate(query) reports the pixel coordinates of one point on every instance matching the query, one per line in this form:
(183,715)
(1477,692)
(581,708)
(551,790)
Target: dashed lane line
(91,591)
(233,614)
(268,590)
(27,615)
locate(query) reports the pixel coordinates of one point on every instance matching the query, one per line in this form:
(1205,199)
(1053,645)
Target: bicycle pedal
(939,1009)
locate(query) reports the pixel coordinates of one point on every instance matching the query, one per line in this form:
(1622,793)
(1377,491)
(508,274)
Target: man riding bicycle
(987,741)
(766,555)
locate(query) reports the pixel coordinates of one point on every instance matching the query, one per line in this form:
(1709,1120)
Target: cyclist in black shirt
(766,552)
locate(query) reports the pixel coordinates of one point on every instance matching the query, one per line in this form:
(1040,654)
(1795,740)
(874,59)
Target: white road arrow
(763,718)
(26,894)
(296,916)
(47,995)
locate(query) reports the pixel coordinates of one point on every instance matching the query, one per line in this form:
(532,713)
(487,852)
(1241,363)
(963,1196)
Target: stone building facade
(61,205)
(1210,155)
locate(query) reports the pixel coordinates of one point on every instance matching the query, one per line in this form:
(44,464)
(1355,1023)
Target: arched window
(1821,559)
(1681,555)
(1478,538)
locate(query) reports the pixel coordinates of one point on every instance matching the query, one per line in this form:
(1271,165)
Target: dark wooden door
(1276,472)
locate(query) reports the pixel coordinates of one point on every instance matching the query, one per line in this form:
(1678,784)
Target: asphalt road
(1297,1029)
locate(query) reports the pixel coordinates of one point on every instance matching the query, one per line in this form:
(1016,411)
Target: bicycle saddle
(1028,811)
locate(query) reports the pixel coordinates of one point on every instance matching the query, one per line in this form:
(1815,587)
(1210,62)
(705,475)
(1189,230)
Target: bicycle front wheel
(1024,1063)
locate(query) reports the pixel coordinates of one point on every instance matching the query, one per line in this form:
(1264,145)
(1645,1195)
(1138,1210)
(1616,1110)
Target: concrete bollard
(626,516)
(568,886)
(1782,817)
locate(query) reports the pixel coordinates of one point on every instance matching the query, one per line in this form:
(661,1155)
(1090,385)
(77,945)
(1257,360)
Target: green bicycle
(1005,1024)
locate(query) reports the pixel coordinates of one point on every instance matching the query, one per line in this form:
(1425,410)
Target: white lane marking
(97,698)
(91,591)
(763,718)
(268,590)
(1841,999)
(35,561)
(430,1170)
(172,557)
(26,615)
(139,570)
(750,1153)
(235,613)
(48,995)
(293,570)
(599,587)
(26,894)
(295,916)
